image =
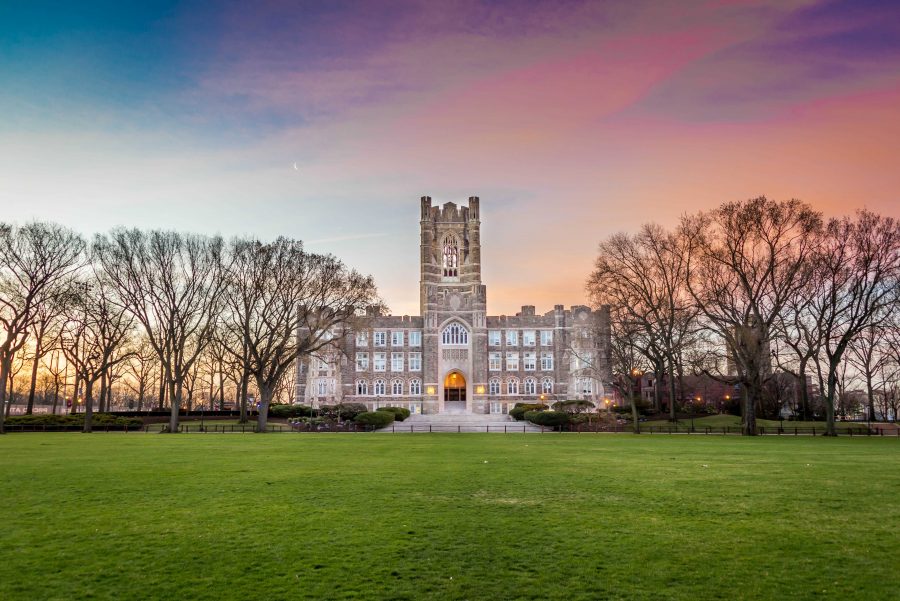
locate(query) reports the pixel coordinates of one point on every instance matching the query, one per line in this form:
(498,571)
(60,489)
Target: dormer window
(451,257)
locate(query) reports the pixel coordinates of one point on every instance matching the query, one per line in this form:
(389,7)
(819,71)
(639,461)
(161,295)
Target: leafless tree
(645,278)
(142,370)
(628,361)
(35,259)
(172,283)
(870,357)
(745,260)
(284,303)
(95,330)
(858,264)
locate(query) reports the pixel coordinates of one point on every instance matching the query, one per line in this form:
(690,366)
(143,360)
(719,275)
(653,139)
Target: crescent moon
(295,166)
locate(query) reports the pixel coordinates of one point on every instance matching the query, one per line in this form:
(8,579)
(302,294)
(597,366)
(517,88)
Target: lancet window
(450,255)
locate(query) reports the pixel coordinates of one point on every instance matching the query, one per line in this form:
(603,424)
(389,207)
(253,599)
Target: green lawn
(447,516)
(734,421)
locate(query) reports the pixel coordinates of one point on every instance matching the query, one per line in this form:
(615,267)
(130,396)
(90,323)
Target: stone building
(454,357)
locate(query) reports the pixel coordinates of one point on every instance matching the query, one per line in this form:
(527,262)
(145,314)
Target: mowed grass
(447,516)
(771,425)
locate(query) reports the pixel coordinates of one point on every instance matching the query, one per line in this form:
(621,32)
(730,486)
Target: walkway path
(461,422)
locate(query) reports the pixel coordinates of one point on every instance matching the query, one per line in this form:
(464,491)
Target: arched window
(415,387)
(494,386)
(450,257)
(530,386)
(547,386)
(323,386)
(380,387)
(396,387)
(455,333)
(362,387)
(512,386)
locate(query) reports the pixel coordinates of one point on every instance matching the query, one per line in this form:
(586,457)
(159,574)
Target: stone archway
(454,392)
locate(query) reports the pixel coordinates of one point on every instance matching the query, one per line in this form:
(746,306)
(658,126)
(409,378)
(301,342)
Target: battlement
(450,212)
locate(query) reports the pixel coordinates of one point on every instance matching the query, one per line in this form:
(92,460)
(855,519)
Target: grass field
(369,516)
(734,421)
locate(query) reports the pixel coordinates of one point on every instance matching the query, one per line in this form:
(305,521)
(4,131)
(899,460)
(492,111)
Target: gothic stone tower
(452,300)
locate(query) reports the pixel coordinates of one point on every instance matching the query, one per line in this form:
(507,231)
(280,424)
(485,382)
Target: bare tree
(141,369)
(96,327)
(858,265)
(171,282)
(284,303)
(745,260)
(628,361)
(645,278)
(35,259)
(870,357)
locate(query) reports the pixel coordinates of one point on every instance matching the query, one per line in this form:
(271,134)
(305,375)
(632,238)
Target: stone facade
(455,358)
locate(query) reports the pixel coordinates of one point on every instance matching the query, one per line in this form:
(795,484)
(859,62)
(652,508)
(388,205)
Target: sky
(327,121)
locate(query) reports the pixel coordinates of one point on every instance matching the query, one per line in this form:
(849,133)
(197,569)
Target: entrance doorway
(455,392)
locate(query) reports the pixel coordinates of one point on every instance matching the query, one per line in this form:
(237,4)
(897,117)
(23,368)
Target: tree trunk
(29,408)
(88,405)
(870,392)
(244,385)
(221,389)
(162,386)
(635,418)
(748,417)
(101,408)
(265,397)
(804,391)
(55,393)
(830,430)
(657,389)
(74,408)
(174,401)
(4,372)
(671,390)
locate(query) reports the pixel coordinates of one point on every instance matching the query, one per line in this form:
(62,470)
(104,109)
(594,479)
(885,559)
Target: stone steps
(461,422)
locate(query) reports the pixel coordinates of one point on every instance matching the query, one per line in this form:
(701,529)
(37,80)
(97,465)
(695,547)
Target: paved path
(461,422)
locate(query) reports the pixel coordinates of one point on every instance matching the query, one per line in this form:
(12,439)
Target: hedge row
(400,413)
(375,420)
(52,419)
(518,412)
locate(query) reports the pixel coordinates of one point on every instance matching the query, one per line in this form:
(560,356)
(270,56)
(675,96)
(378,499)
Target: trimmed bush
(50,419)
(549,419)
(349,411)
(573,406)
(286,411)
(373,420)
(518,412)
(400,413)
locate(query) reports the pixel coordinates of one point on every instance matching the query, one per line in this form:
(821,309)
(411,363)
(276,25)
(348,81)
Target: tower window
(451,257)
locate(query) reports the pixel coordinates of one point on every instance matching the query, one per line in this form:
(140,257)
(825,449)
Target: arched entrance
(454,392)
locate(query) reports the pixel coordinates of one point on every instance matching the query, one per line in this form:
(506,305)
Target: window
(546,337)
(362,361)
(415,362)
(528,338)
(512,361)
(396,387)
(396,361)
(494,386)
(322,387)
(494,338)
(321,364)
(455,333)
(362,339)
(529,362)
(379,387)
(530,386)
(362,387)
(415,387)
(495,362)
(397,338)
(450,261)
(380,338)
(415,338)
(380,363)
(496,407)
(512,386)
(547,386)
(584,386)
(546,361)
(512,338)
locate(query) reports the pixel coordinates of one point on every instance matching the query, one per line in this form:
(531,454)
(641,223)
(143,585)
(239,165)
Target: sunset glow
(328,121)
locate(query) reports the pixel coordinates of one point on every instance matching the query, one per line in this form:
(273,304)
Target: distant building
(454,357)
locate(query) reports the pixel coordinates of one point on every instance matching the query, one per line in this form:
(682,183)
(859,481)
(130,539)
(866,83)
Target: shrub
(400,413)
(50,419)
(286,411)
(518,412)
(373,420)
(574,406)
(349,411)
(549,419)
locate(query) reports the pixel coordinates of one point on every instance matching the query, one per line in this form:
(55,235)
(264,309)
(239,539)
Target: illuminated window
(455,333)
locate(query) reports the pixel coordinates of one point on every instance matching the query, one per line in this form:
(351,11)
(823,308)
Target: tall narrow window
(451,257)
